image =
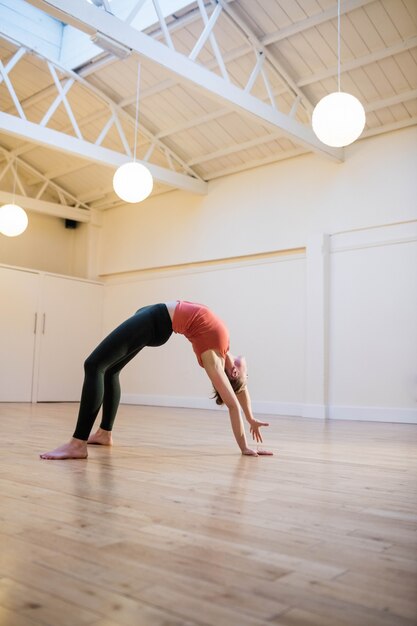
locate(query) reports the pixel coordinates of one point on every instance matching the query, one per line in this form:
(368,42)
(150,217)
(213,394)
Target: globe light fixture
(133,181)
(13,220)
(339,118)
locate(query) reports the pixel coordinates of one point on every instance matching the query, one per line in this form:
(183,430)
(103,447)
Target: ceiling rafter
(400,98)
(60,171)
(107,101)
(346,6)
(106,58)
(296,152)
(354,64)
(236,147)
(202,158)
(387,128)
(273,62)
(69,206)
(189,182)
(12,125)
(244,43)
(91,20)
(23,165)
(302,26)
(48,208)
(171,82)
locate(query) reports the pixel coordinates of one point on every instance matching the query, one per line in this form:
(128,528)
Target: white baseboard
(373,414)
(293,409)
(277,408)
(183,402)
(319,411)
(189,402)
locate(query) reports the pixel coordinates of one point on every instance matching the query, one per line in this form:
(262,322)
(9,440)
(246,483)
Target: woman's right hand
(249,452)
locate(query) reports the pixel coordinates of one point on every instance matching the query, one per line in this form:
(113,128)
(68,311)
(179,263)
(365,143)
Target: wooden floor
(172,527)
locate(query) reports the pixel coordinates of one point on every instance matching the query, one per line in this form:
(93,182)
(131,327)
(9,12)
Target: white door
(18,317)
(70,327)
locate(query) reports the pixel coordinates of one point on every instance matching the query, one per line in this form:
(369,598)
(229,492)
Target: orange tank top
(204,329)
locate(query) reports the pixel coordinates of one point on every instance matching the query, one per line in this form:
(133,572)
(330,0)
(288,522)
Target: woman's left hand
(254,430)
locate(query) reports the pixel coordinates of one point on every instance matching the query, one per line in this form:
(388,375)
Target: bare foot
(101,438)
(74,449)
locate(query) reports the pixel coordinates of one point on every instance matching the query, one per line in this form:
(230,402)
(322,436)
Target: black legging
(150,326)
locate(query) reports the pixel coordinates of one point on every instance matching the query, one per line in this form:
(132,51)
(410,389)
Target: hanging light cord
(137,112)
(14,170)
(338,45)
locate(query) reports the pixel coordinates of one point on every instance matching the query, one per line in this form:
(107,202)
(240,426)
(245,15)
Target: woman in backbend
(152,326)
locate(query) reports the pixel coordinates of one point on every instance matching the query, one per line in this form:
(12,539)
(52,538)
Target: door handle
(43,323)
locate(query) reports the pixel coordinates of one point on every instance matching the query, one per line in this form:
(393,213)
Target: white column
(316,363)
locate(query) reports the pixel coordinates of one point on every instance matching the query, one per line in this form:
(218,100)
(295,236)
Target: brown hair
(238,385)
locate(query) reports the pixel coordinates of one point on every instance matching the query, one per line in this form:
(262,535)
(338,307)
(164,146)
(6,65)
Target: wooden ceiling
(242,95)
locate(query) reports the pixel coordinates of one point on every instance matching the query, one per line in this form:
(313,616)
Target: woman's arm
(215,370)
(244,401)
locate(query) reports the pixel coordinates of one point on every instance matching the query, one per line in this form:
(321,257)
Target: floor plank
(173,527)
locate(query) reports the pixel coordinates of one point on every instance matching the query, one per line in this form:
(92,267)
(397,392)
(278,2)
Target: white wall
(373,323)
(274,207)
(47,246)
(316,356)
(264,334)
(293,204)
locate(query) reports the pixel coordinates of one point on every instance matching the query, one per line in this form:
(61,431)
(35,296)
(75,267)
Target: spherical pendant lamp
(338,119)
(13,220)
(132,182)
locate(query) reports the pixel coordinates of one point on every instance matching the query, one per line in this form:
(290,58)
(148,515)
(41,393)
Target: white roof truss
(178,174)
(13,125)
(68,207)
(227,85)
(93,21)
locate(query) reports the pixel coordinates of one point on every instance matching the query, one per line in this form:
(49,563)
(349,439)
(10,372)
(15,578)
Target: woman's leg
(111,400)
(119,347)
(149,326)
(112,392)
(156,336)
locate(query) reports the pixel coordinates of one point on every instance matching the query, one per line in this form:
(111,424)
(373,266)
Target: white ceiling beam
(399,98)
(209,117)
(197,121)
(47,208)
(170,82)
(96,194)
(274,64)
(408,44)
(209,25)
(77,49)
(314,20)
(212,38)
(17,163)
(274,158)
(58,172)
(12,125)
(109,104)
(387,128)
(371,106)
(91,20)
(238,147)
